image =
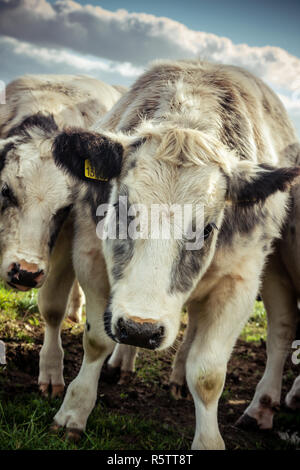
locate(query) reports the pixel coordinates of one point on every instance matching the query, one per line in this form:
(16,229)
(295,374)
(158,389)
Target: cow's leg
(292,399)
(281,306)
(81,394)
(52,301)
(123,360)
(177,379)
(220,319)
(75,303)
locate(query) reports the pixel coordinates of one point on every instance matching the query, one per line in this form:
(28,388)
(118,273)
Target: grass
(25,417)
(24,424)
(256,328)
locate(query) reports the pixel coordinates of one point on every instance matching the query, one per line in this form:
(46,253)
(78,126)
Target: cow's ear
(252,184)
(89,156)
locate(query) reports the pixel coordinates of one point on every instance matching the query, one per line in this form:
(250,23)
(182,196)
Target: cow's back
(225,101)
(73,100)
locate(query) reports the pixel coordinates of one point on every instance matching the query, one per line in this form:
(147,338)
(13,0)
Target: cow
(186,133)
(280,292)
(36,222)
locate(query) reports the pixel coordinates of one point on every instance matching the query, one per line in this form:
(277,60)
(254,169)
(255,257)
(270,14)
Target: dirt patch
(147,393)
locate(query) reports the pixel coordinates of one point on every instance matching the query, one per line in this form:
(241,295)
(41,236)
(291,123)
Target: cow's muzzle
(25,276)
(143,334)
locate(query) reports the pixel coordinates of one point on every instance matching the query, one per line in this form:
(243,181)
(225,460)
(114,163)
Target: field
(137,415)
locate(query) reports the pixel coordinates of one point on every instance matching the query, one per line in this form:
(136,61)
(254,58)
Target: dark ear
(89,156)
(253,185)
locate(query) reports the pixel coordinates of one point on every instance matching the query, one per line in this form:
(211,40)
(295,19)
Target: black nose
(143,335)
(23,277)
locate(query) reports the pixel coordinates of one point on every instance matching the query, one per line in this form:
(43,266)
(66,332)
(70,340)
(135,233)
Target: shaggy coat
(36,220)
(187,132)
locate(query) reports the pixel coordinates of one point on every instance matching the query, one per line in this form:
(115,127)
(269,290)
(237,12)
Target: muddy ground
(147,393)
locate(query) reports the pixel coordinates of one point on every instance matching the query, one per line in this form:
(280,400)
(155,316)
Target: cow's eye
(5,191)
(208,230)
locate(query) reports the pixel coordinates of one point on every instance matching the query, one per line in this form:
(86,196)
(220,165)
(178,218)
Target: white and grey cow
(36,221)
(187,132)
(281,292)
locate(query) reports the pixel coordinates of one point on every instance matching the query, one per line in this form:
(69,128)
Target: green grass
(256,328)
(24,424)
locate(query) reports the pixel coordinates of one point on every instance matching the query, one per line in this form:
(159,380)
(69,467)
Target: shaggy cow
(280,291)
(36,224)
(186,133)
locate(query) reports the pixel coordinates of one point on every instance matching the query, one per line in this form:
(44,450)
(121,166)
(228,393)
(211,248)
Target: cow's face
(151,273)
(35,199)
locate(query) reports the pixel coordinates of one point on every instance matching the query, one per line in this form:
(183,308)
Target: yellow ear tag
(89,172)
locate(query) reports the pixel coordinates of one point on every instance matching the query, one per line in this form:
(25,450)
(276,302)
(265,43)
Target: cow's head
(35,199)
(151,278)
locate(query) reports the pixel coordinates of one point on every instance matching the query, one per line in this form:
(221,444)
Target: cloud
(67,37)
(19,57)
(135,37)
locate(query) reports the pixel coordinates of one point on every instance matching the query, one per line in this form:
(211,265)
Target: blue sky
(114,40)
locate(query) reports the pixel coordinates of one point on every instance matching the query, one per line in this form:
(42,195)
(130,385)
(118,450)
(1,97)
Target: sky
(114,40)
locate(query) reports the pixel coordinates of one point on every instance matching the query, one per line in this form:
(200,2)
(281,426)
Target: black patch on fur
(107,322)
(240,220)
(56,223)
(3,152)
(186,267)
(122,248)
(72,147)
(132,165)
(7,198)
(44,122)
(122,254)
(88,326)
(136,144)
(266,182)
(96,195)
(234,125)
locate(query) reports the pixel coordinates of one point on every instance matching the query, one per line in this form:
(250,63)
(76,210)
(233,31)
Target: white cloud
(135,37)
(19,57)
(115,46)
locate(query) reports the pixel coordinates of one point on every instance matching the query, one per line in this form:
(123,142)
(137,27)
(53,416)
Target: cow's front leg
(52,301)
(281,306)
(221,317)
(81,394)
(122,360)
(91,273)
(292,400)
(178,387)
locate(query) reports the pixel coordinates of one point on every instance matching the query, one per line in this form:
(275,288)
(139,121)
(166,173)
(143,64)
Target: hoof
(57,390)
(52,390)
(55,428)
(125,377)
(247,423)
(73,434)
(179,392)
(44,390)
